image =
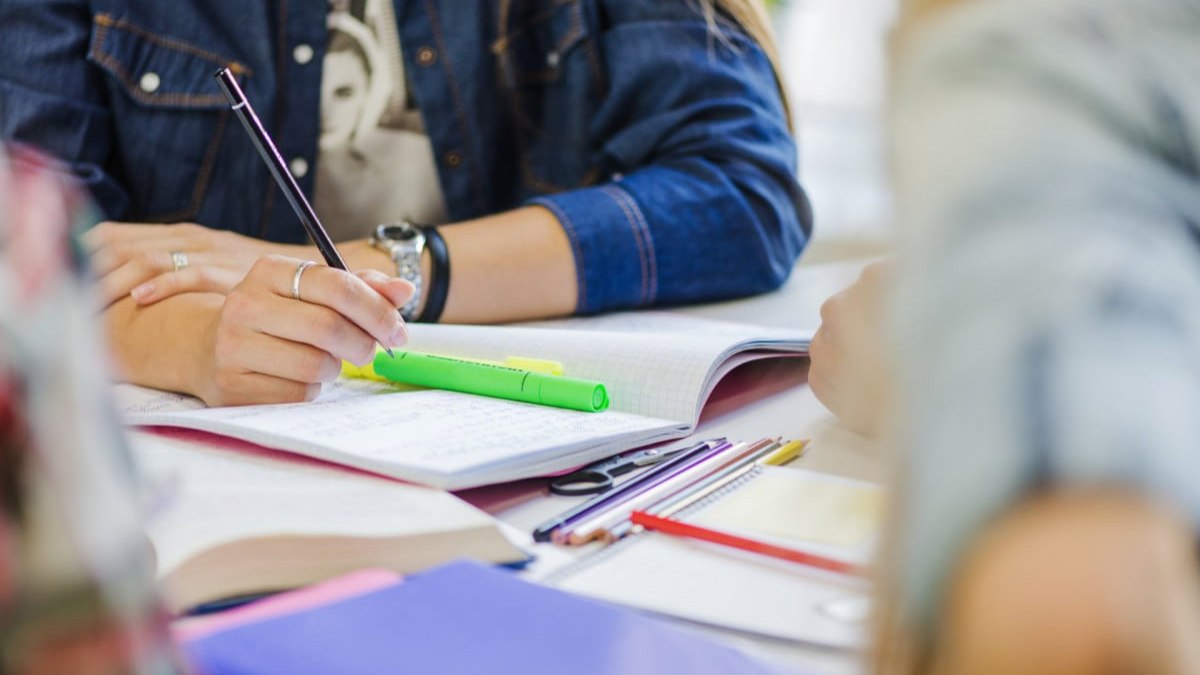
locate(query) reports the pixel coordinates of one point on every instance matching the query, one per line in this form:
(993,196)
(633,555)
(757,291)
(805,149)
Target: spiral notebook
(733,589)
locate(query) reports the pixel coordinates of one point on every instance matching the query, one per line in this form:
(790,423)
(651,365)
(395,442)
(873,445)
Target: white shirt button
(299,167)
(303,54)
(150,82)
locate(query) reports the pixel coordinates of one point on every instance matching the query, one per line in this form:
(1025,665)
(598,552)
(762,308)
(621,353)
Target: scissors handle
(598,477)
(583,482)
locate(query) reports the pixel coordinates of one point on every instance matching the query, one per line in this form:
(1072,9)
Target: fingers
(397,291)
(820,378)
(344,293)
(118,283)
(284,359)
(265,312)
(114,234)
(248,388)
(109,258)
(191,279)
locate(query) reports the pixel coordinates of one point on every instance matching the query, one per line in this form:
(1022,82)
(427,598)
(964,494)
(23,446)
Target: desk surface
(792,413)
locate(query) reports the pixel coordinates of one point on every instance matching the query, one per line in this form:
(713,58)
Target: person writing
(580,157)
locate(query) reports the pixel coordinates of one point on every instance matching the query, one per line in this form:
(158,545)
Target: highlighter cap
(572,393)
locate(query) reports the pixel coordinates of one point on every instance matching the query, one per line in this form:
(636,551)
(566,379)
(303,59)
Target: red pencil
(682,529)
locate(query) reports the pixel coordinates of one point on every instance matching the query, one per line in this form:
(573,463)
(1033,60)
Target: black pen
(270,154)
(545,531)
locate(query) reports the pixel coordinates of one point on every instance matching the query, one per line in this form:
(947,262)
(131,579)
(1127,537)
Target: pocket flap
(537,40)
(156,70)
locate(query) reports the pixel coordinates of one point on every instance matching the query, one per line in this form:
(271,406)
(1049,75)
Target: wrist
(420,256)
(361,255)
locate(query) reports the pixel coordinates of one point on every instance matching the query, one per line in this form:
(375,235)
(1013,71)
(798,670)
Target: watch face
(399,232)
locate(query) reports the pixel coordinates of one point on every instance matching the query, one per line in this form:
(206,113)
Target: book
(228,520)
(464,618)
(716,585)
(659,369)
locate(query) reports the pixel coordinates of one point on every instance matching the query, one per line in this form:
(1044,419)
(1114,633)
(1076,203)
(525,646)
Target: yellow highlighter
(790,450)
(542,366)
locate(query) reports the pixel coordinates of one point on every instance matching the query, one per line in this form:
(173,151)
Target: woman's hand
(264,346)
(133,259)
(849,372)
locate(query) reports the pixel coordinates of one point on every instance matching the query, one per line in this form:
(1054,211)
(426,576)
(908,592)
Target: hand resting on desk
(132,258)
(258,344)
(849,373)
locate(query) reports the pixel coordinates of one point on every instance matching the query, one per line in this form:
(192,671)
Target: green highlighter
(486,379)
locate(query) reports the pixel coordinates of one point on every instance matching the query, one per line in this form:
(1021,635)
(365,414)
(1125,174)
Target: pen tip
(389,352)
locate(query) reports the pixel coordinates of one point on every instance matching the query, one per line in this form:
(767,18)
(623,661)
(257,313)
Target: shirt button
(302,54)
(453,159)
(149,83)
(426,56)
(299,167)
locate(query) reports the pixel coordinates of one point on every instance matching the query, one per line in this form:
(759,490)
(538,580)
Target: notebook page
(719,587)
(653,364)
(438,438)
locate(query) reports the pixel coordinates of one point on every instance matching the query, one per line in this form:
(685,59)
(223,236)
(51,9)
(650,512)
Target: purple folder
(465,618)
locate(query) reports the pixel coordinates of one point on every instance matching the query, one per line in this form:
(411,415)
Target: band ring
(296,277)
(179,260)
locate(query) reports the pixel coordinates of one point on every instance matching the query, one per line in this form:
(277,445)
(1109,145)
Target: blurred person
(76,572)
(1043,325)
(578,157)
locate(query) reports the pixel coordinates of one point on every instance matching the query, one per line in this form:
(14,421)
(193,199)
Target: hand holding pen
(287,326)
(266,345)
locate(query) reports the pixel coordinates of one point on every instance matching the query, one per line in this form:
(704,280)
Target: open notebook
(659,369)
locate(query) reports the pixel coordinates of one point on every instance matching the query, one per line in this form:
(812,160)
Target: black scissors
(598,477)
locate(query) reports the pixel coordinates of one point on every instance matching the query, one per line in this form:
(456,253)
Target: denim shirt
(661,146)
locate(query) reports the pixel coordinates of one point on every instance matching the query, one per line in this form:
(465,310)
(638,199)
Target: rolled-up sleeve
(703,201)
(51,99)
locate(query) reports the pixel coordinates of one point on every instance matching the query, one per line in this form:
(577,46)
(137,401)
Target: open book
(659,369)
(231,521)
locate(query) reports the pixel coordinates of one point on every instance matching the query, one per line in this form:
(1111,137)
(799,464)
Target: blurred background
(833,53)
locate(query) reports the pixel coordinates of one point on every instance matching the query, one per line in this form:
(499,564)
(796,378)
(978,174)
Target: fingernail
(399,335)
(142,292)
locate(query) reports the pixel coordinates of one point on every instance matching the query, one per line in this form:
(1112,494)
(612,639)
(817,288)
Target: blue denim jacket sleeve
(706,204)
(48,97)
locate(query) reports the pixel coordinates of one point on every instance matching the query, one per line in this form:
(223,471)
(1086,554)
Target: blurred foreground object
(1047,184)
(76,579)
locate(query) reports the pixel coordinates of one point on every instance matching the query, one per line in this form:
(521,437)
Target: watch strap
(437,287)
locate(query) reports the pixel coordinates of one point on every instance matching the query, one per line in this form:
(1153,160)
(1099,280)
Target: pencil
(603,525)
(279,171)
(674,503)
(681,529)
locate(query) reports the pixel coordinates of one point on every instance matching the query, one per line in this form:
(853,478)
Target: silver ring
(179,260)
(296,277)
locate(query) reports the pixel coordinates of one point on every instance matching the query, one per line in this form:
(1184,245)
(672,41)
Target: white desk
(793,413)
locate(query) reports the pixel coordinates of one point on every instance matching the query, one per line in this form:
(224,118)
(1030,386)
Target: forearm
(159,345)
(508,267)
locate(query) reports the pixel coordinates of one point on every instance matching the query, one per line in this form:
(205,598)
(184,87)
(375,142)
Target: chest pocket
(169,117)
(548,62)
